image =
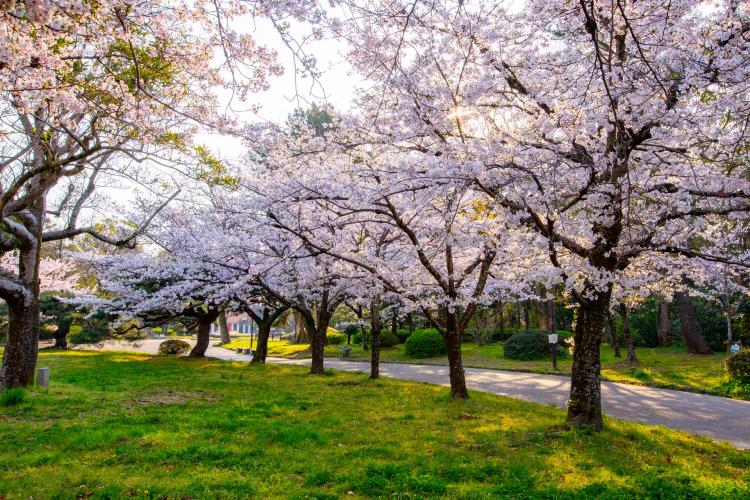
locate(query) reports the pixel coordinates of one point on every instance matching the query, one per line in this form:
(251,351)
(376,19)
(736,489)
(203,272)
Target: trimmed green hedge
(530,345)
(425,344)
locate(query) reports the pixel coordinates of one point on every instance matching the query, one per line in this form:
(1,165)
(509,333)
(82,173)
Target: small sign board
(735,348)
(553,338)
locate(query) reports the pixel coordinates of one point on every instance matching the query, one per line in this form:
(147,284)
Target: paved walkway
(719,418)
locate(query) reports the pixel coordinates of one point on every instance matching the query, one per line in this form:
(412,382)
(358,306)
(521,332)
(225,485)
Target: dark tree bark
(317,348)
(501,319)
(613,340)
(584,406)
(223,328)
(21,347)
(301,334)
(22,343)
(626,334)
(691,331)
(525,312)
(316,322)
(410,323)
(453,336)
(375,326)
(664,331)
(61,335)
(204,330)
(264,321)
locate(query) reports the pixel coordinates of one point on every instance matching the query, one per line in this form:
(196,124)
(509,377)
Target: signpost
(735,348)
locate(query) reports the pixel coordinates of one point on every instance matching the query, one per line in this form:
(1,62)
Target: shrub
(387,339)
(351,330)
(357,338)
(12,397)
(335,338)
(425,344)
(173,347)
(738,366)
(530,345)
(402,334)
(86,335)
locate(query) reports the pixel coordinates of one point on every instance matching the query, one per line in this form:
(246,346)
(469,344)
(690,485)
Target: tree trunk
(585,402)
(22,343)
(223,328)
(410,323)
(317,348)
(455,363)
(21,347)
(61,335)
(501,320)
(300,330)
(626,333)
(729,331)
(199,350)
(375,327)
(613,340)
(551,317)
(261,350)
(525,312)
(691,331)
(664,332)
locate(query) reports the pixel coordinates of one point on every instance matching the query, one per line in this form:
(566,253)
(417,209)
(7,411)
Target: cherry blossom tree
(89,90)
(611,129)
(437,247)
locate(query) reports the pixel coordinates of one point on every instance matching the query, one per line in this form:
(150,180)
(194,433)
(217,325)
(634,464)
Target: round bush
(526,346)
(425,344)
(738,365)
(387,339)
(173,347)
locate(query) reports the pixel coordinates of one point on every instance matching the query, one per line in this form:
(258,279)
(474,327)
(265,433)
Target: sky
(335,87)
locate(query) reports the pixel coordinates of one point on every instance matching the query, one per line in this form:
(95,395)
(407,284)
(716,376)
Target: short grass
(121,424)
(281,348)
(666,367)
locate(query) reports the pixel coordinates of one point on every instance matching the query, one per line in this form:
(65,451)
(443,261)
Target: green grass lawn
(119,424)
(667,367)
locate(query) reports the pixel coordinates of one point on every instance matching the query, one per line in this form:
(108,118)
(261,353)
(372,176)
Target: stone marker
(42,377)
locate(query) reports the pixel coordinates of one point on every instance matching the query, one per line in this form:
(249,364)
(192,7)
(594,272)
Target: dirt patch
(171,398)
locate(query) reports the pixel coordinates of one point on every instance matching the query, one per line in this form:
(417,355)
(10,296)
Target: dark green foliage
(426,343)
(335,338)
(315,118)
(643,324)
(402,334)
(533,344)
(357,338)
(350,331)
(173,347)
(738,366)
(12,397)
(387,339)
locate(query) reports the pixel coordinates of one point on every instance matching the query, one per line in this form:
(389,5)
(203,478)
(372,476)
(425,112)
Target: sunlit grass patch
(204,429)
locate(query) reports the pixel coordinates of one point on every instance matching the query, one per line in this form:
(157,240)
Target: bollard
(42,377)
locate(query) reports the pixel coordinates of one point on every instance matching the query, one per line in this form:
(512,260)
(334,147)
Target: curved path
(716,417)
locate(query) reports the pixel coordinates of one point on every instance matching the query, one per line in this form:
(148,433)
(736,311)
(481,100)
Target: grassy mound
(120,424)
